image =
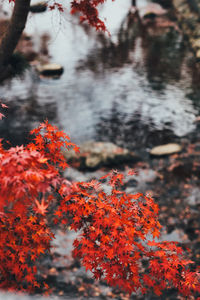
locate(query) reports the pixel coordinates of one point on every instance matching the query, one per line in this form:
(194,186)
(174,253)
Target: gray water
(135,91)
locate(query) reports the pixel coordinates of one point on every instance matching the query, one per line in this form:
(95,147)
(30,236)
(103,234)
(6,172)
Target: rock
(38,7)
(93,161)
(166,149)
(161,26)
(51,69)
(152,10)
(198,54)
(94,155)
(165,3)
(196,43)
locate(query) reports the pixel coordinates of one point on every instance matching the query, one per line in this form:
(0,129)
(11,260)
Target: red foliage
(89,12)
(87,9)
(115,240)
(117,229)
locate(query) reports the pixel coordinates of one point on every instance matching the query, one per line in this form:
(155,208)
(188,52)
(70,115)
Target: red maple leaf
(41,208)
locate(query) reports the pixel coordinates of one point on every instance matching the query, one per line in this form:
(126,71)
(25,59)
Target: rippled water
(135,90)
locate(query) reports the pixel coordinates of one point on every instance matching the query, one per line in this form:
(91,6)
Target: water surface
(133,89)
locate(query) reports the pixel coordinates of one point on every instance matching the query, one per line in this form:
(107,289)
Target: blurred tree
(13,33)
(8,43)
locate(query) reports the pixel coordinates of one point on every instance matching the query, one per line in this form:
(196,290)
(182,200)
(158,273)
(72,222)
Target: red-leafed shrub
(118,230)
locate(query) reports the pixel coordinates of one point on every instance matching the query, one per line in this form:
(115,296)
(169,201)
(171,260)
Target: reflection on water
(132,130)
(134,88)
(163,57)
(24,110)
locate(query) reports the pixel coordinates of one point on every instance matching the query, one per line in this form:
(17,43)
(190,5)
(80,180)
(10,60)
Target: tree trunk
(13,32)
(133,2)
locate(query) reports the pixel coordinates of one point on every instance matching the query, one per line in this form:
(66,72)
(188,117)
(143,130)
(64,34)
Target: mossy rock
(94,155)
(166,149)
(51,69)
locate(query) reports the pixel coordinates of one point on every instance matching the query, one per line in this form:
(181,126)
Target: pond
(133,89)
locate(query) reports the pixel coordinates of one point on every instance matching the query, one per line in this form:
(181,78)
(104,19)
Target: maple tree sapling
(114,227)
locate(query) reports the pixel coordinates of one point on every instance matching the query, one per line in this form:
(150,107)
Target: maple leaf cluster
(117,240)
(87,9)
(29,177)
(89,12)
(118,231)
